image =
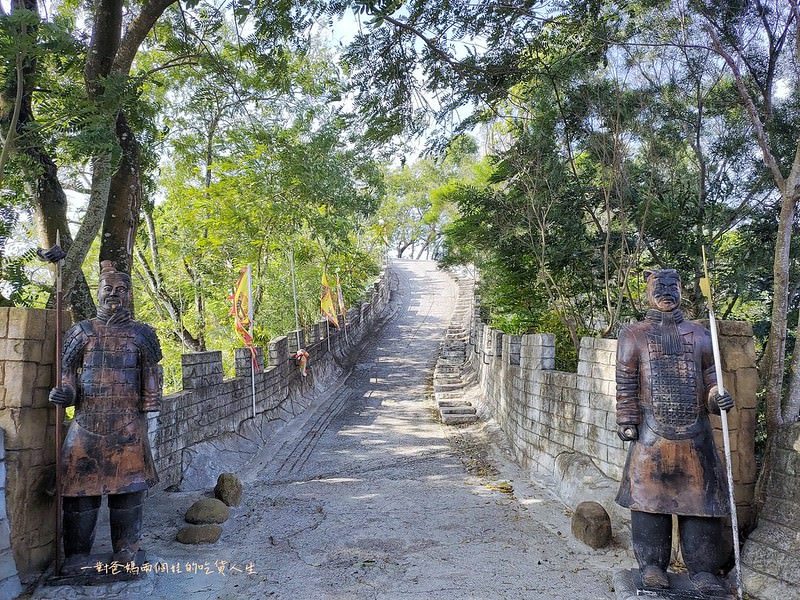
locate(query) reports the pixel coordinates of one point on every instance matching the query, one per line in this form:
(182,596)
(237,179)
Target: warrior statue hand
(63,395)
(724,401)
(628,433)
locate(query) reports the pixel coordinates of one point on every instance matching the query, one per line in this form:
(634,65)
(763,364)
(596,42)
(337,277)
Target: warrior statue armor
(110,373)
(666,387)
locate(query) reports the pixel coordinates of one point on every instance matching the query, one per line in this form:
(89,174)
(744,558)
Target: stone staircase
(450,374)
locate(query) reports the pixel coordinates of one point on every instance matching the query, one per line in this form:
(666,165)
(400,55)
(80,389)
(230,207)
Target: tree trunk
(124,202)
(44,188)
(792,411)
(50,211)
(775,354)
(200,305)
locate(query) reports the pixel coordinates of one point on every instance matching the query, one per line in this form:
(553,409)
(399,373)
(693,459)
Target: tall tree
(760,43)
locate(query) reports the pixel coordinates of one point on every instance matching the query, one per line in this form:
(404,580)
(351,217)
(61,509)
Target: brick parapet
(546,413)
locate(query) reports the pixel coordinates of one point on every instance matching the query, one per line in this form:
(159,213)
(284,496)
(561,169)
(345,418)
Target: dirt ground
(369,496)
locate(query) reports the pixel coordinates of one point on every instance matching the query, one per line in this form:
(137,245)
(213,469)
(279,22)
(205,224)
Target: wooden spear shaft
(59,425)
(705,286)
(59,412)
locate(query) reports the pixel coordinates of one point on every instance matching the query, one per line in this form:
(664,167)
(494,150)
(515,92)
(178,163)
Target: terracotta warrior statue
(666,387)
(111,375)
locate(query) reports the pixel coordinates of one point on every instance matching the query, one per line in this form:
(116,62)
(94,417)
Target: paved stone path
(371,497)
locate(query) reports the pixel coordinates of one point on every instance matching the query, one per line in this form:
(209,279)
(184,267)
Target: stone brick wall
(27,350)
(208,406)
(563,425)
(771,555)
(9,580)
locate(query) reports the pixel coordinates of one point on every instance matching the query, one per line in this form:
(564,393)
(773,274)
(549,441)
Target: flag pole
(340,300)
(328,332)
(705,287)
(251,314)
(294,295)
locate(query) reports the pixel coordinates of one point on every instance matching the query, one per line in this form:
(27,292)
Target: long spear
(55,255)
(705,288)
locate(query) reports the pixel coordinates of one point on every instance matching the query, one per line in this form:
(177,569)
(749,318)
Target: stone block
(584,369)
(21,350)
(294,337)
(45,376)
(26,428)
(278,350)
(201,369)
(513,344)
(19,379)
(4,321)
(746,385)
(26,323)
(734,359)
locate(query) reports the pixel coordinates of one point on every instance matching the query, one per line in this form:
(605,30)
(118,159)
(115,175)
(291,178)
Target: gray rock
(199,534)
(208,510)
(591,524)
(229,489)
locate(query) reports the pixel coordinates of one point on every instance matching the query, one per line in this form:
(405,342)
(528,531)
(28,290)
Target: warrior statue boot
(80,524)
(125,515)
(652,544)
(702,552)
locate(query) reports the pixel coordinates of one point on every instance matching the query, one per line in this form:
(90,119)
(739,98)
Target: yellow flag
(242,311)
(326,302)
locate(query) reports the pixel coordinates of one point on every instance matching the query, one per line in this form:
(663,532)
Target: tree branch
(136,32)
(755,119)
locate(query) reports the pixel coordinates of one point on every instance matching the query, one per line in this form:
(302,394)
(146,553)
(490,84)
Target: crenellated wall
(209,406)
(563,425)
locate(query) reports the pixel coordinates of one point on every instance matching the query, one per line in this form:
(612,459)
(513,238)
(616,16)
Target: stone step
(453,403)
(447,387)
(452,372)
(448,395)
(459,419)
(457,410)
(456,363)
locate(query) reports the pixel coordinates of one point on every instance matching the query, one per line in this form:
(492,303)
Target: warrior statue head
(663,289)
(114,290)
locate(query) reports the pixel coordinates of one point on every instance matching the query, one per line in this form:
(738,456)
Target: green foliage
(247,185)
(419,197)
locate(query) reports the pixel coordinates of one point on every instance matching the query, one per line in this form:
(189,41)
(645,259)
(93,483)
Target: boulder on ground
(199,534)
(228,489)
(591,524)
(208,510)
